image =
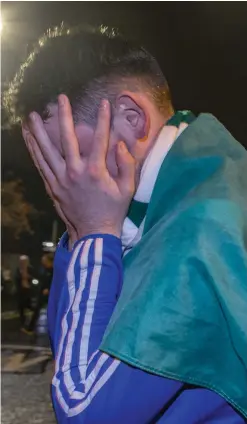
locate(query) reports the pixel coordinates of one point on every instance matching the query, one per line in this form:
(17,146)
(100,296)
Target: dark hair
(86,65)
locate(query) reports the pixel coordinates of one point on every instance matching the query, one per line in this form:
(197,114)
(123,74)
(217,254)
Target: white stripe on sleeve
(75,296)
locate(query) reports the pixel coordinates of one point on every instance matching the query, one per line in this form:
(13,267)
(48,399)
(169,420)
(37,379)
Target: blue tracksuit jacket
(89,386)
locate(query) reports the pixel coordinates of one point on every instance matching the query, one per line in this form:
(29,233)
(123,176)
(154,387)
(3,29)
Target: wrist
(83,232)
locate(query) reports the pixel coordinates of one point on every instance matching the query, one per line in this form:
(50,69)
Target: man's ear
(132,117)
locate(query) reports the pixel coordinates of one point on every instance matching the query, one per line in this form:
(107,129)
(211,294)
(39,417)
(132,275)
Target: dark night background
(201,47)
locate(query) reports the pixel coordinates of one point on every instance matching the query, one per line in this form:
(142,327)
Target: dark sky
(201,47)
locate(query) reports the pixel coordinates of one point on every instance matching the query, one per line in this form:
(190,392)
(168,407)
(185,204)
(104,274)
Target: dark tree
(17,213)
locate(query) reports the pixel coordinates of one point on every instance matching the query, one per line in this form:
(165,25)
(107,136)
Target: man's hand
(86,197)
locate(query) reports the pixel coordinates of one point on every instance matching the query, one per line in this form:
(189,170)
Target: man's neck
(161,122)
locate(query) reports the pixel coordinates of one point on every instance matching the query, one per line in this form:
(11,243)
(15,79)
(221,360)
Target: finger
(101,136)
(47,186)
(27,137)
(29,141)
(43,168)
(50,153)
(69,140)
(126,169)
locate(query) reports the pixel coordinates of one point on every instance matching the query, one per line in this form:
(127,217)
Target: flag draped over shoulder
(182,312)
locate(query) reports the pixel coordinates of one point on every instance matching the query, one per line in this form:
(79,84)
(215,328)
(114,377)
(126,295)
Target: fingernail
(104,104)
(61,100)
(32,116)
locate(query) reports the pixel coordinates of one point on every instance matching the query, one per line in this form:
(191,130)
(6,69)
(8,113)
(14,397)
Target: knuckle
(94,171)
(74,175)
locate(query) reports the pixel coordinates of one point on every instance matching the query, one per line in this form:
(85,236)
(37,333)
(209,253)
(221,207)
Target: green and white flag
(182,310)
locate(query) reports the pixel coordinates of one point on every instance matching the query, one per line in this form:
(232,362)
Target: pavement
(26,373)
(26,399)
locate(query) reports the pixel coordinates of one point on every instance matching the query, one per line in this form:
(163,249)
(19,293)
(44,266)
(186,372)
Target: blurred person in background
(8,289)
(24,276)
(6,280)
(45,280)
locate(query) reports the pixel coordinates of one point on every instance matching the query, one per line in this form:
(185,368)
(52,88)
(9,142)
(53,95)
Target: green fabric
(183,307)
(181,116)
(138,210)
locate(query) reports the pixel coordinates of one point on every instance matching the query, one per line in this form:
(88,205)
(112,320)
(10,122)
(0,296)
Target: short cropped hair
(87,65)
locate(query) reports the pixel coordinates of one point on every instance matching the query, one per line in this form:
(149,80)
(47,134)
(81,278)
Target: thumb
(126,169)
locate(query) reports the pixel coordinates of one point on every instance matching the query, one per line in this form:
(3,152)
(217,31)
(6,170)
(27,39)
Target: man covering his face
(148,301)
